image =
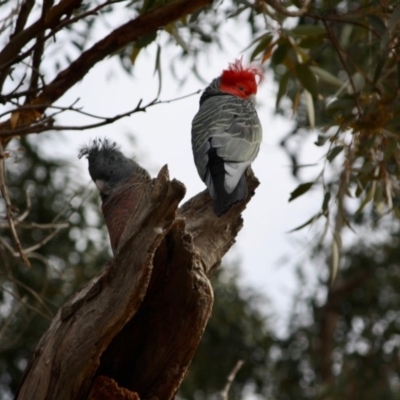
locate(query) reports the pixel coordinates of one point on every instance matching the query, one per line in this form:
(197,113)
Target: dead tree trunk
(131,332)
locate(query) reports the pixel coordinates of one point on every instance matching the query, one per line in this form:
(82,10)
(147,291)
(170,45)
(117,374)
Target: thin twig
(38,52)
(93,12)
(38,296)
(23,216)
(336,45)
(43,242)
(9,318)
(32,248)
(12,343)
(9,274)
(15,95)
(26,304)
(6,197)
(45,261)
(20,84)
(117,39)
(19,56)
(8,246)
(45,124)
(230,379)
(24,11)
(34,225)
(345,19)
(180,98)
(80,111)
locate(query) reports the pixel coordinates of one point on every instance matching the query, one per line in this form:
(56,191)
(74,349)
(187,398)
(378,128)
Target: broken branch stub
(213,236)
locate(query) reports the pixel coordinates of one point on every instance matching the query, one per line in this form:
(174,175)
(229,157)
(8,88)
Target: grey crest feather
(108,167)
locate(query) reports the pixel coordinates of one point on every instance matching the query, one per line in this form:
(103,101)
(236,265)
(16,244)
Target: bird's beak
(100,185)
(253,99)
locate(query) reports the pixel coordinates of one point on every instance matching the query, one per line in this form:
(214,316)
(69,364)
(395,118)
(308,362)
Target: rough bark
(132,331)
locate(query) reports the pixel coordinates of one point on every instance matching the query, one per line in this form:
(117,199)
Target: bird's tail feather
(223,201)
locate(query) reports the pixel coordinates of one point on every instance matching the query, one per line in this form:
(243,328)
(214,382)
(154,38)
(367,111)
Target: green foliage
(347,58)
(31,296)
(359,318)
(301,189)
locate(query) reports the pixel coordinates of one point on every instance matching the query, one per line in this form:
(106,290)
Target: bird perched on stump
(226,134)
(120,182)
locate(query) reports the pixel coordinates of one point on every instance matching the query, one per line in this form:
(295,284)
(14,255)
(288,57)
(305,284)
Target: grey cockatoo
(226,134)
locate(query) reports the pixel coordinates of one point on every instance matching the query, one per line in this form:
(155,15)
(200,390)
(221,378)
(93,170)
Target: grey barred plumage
(226,137)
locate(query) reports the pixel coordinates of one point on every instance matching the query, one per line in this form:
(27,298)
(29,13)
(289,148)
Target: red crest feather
(237,68)
(236,74)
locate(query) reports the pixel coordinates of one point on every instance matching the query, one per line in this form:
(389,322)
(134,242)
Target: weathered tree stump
(131,332)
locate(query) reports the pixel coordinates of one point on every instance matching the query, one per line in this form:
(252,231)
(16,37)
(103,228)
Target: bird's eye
(241,88)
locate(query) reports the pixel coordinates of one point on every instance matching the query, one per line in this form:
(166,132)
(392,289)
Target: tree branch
(118,39)
(46,123)
(14,46)
(230,379)
(38,52)
(25,10)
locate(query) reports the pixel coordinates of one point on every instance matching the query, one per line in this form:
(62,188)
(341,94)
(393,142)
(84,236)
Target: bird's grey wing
(230,125)
(209,121)
(240,142)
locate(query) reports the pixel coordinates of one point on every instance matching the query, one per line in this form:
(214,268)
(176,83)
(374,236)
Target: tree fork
(134,328)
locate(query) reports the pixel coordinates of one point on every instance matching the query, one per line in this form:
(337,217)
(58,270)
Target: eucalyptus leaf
(282,88)
(279,54)
(335,260)
(325,202)
(394,18)
(158,69)
(334,152)
(310,108)
(321,140)
(308,30)
(300,190)
(145,40)
(376,23)
(262,45)
(256,40)
(358,82)
(238,11)
(343,105)
(307,78)
(308,222)
(369,196)
(326,76)
(135,52)
(380,62)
